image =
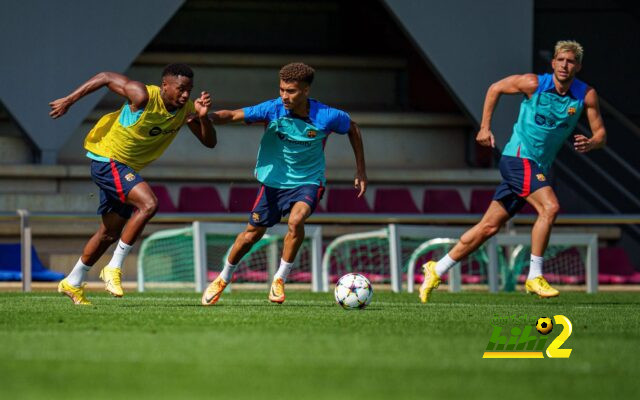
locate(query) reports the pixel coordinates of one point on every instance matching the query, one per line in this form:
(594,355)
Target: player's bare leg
(545,202)
(244,242)
(491,221)
(292,242)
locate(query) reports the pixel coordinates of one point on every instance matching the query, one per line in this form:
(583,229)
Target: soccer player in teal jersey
(290,167)
(548,114)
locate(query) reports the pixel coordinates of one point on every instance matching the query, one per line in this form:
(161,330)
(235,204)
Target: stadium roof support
(471,44)
(56,46)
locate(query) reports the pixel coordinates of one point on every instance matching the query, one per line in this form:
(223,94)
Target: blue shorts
(520,178)
(115,181)
(272,204)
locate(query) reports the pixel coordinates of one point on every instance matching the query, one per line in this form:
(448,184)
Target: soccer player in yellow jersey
(119,146)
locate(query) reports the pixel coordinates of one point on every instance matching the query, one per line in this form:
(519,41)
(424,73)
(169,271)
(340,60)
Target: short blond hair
(569,45)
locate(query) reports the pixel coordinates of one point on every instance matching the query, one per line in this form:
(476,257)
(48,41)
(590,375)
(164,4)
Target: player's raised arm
(526,84)
(583,144)
(134,91)
(222,117)
(200,124)
(355,137)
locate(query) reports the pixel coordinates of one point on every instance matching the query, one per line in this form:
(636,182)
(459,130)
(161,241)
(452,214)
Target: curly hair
(178,70)
(297,72)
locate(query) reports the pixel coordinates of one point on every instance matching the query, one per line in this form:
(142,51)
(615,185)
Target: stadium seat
(344,200)
(242,199)
(616,267)
(443,201)
(11,269)
(391,201)
(200,199)
(480,200)
(165,204)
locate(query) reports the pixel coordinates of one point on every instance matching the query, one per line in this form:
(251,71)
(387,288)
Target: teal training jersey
(291,151)
(545,121)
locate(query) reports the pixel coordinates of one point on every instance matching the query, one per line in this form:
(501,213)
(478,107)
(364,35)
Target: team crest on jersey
(571,111)
(541,177)
(129,177)
(311,134)
(255,217)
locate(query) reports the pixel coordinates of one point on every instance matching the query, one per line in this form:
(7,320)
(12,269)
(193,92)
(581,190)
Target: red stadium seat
(242,199)
(200,199)
(342,200)
(616,267)
(443,201)
(480,200)
(165,204)
(391,201)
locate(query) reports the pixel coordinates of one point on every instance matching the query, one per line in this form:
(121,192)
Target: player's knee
(296,224)
(250,238)
(550,210)
(149,207)
(489,229)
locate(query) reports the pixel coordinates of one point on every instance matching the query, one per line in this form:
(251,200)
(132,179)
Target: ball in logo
(353,291)
(544,325)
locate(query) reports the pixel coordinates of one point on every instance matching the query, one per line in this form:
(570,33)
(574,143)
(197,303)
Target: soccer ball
(353,291)
(544,325)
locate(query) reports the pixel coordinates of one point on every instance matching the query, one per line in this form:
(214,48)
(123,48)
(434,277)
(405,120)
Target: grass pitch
(165,345)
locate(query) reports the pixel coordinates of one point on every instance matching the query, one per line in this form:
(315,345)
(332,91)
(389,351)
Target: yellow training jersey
(144,141)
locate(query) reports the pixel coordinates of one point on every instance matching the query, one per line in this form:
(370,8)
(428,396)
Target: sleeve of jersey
(259,113)
(340,121)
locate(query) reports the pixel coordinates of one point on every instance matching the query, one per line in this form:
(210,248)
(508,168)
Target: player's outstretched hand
(202,104)
(485,138)
(582,144)
(360,183)
(59,107)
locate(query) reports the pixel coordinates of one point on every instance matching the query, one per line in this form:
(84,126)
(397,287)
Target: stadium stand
(443,201)
(241,199)
(165,204)
(616,266)
(342,200)
(200,199)
(394,200)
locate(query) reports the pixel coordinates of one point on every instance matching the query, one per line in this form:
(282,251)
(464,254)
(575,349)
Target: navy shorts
(520,178)
(115,181)
(272,204)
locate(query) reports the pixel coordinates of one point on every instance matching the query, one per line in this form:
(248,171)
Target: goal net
(190,257)
(396,254)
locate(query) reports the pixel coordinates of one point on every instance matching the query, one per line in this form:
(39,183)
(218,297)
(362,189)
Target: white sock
(445,264)
(283,271)
(121,251)
(535,267)
(78,273)
(227,271)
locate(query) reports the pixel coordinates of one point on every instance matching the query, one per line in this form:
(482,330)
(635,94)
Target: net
(166,259)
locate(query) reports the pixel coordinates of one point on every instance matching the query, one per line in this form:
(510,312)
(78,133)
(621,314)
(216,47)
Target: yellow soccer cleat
(431,281)
(112,277)
(541,287)
(212,293)
(75,294)
(276,294)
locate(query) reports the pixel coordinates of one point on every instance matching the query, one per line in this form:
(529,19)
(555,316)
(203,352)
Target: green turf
(164,345)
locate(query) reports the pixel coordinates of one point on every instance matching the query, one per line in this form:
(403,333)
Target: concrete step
(238,80)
